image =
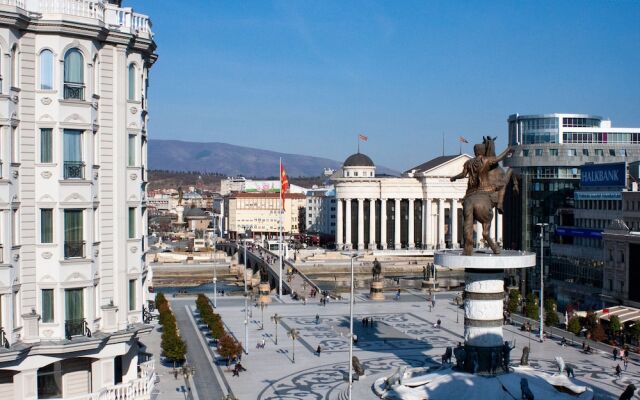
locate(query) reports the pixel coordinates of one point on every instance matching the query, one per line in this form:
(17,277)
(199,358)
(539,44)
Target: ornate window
(74,75)
(46,70)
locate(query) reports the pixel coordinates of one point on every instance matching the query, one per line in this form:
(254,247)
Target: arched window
(46,70)
(132,82)
(73,75)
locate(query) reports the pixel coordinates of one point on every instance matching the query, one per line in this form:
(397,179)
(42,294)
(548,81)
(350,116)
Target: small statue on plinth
(506,355)
(487,182)
(357,366)
(376,270)
(377,285)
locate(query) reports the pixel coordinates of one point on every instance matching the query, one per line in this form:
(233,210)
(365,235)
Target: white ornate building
(73,151)
(413,211)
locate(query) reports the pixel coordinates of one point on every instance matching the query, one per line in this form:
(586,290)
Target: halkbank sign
(610,175)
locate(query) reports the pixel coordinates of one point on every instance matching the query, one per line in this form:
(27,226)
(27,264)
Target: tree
(550,314)
(228,347)
(514,300)
(531,308)
(574,325)
(597,333)
(634,331)
(614,324)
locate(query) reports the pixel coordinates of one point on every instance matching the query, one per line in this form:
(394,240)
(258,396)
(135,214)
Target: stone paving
(403,333)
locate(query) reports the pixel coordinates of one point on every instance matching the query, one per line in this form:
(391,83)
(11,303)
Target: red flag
(362,137)
(284,184)
(463,140)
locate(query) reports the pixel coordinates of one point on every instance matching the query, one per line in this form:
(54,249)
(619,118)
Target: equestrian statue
(487,183)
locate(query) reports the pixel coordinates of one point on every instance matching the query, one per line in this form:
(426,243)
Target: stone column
(347,225)
(339,227)
(499,228)
(426,221)
(411,239)
(396,241)
(360,224)
(441,241)
(383,223)
(372,224)
(454,223)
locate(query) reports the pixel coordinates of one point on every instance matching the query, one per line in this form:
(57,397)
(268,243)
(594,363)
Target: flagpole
(443,143)
(280,231)
(358,144)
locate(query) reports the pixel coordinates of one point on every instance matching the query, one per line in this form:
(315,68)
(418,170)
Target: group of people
(367,322)
(237,369)
(622,354)
(261,344)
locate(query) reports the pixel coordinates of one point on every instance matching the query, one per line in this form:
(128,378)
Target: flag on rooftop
(463,140)
(362,137)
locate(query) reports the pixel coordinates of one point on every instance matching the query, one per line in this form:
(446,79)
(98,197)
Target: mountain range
(233,160)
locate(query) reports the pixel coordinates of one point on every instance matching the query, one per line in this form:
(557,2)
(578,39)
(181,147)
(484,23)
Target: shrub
(550,314)
(514,299)
(172,345)
(228,347)
(574,325)
(614,324)
(598,333)
(531,308)
(634,331)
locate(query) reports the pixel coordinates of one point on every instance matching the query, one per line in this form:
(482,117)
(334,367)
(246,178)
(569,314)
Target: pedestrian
(364,324)
(618,370)
(317,319)
(439,322)
(615,354)
(175,373)
(583,346)
(318,350)
(569,370)
(398,295)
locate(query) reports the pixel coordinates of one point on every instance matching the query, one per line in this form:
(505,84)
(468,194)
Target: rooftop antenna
(443,144)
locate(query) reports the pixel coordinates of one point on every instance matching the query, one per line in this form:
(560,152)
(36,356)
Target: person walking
(615,354)
(319,349)
(618,370)
(317,319)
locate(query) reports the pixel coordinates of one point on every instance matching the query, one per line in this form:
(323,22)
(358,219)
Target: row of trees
(594,329)
(172,345)
(228,346)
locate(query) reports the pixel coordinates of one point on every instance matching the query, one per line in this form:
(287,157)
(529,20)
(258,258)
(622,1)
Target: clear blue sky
(307,76)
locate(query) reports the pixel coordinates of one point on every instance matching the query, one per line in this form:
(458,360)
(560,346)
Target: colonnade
(403,223)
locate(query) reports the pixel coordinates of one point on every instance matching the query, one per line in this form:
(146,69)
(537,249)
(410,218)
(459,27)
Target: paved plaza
(402,333)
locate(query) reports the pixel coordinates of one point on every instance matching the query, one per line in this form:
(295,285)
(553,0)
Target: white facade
(408,212)
(73,139)
(320,211)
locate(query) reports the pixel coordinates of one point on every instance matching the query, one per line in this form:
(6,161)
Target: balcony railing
(17,3)
(73,170)
(74,249)
(73,91)
(76,327)
(137,389)
(81,8)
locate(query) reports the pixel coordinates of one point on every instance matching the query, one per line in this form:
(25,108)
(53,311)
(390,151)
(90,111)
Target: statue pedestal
(376,292)
(430,284)
(483,304)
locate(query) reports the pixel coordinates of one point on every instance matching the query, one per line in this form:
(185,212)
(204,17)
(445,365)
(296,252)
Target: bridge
(268,262)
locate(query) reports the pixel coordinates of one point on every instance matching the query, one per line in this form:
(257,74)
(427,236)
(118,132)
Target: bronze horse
(487,183)
(376,270)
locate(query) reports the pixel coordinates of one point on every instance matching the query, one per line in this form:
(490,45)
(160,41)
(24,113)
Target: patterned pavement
(403,334)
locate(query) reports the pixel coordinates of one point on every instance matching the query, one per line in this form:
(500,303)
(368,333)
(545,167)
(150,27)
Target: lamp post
(246,296)
(276,319)
(215,278)
(294,334)
(262,306)
(542,225)
(351,330)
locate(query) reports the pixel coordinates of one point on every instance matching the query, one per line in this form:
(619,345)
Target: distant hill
(232,160)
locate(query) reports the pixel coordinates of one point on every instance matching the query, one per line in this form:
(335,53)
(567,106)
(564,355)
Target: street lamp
(276,319)
(215,278)
(542,225)
(351,329)
(262,306)
(294,334)
(246,295)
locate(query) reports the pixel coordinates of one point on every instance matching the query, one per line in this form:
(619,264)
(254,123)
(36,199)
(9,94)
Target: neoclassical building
(73,155)
(422,209)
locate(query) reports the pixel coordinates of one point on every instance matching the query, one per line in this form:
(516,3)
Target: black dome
(358,160)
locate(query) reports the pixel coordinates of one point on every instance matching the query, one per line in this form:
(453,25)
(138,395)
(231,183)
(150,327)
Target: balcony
(76,327)
(137,389)
(3,339)
(74,249)
(73,170)
(73,91)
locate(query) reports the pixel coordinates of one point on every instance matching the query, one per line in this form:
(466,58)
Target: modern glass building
(550,152)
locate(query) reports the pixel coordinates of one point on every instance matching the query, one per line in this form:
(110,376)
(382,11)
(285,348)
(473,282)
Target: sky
(306,77)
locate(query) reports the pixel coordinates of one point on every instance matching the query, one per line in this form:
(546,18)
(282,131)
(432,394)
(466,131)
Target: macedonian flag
(284,183)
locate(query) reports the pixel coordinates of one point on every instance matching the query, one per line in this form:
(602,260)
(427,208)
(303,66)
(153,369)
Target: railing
(3,339)
(126,18)
(17,3)
(138,389)
(73,91)
(73,249)
(76,327)
(80,8)
(73,170)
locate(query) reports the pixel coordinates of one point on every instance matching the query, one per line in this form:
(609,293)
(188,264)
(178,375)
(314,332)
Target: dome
(358,160)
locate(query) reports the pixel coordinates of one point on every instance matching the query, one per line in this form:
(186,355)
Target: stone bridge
(257,261)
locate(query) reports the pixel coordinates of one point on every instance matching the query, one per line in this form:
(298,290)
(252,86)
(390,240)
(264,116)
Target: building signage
(614,174)
(578,232)
(604,195)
